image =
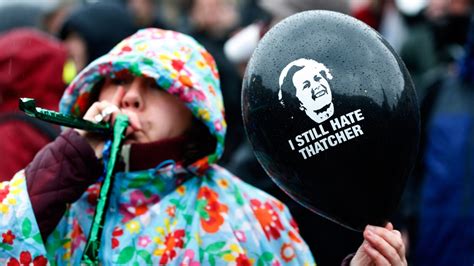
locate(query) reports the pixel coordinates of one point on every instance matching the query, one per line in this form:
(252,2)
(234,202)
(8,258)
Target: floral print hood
(179,65)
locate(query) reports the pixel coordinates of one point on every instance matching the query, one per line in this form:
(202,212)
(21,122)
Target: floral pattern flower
(172,241)
(115,234)
(133,226)
(138,205)
(8,237)
(268,218)
(243,260)
(223,183)
(210,210)
(240,235)
(143,241)
(188,259)
(26,259)
(287,252)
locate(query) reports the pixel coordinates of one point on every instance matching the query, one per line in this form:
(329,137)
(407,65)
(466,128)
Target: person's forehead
(307,69)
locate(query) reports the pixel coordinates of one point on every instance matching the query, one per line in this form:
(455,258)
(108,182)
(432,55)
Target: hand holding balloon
(382,246)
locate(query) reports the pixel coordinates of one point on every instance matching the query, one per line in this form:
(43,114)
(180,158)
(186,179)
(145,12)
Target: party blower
(28,106)
(332,116)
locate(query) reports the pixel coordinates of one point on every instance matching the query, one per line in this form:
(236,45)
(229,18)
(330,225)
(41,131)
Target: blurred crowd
(43,44)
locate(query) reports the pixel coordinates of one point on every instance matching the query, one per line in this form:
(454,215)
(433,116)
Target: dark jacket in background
(447,194)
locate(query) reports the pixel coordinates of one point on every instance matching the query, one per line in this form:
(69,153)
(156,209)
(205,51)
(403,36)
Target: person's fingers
(392,237)
(106,113)
(376,238)
(375,255)
(95,109)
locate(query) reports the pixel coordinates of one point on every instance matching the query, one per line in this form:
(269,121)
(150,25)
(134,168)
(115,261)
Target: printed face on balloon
(308,80)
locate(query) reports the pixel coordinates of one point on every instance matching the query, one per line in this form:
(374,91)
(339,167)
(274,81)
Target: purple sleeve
(58,175)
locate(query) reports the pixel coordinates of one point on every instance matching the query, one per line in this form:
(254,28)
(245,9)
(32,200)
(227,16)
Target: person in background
(210,22)
(446,204)
(145,14)
(91,30)
(431,51)
(43,15)
(32,64)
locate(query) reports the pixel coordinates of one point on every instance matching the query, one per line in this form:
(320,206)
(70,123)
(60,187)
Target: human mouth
(319,92)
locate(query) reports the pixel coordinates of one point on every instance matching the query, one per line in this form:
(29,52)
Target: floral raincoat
(168,215)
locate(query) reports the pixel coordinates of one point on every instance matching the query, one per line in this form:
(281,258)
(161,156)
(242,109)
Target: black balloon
(332,116)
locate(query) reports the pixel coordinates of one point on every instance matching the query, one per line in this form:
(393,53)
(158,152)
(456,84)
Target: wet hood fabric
(180,66)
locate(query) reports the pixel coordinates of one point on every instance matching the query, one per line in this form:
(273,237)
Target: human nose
(133,98)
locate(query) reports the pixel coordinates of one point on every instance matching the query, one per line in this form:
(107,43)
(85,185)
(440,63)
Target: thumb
(389,226)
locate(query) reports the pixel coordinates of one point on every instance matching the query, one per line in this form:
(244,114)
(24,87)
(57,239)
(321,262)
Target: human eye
(122,81)
(152,84)
(306,85)
(317,78)
(118,81)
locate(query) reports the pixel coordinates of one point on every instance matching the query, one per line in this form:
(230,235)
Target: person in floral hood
(170,204)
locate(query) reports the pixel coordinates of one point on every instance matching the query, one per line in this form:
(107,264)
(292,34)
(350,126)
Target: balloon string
(91,250)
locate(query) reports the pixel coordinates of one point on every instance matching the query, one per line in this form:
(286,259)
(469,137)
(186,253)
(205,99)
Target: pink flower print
(188,259)
(192,95)
(218,125)
(105,68)
(240,235)
(143,241)
(138,205)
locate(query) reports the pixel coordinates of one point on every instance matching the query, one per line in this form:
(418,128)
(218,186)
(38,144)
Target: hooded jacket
(171,214)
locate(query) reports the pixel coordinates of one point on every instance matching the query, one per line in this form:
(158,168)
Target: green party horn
(28,105)
(91,251)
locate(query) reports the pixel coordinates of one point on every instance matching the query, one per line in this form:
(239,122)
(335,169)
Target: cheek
(106,93)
